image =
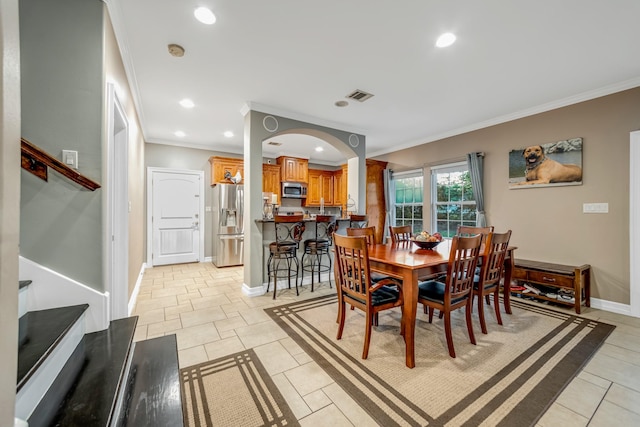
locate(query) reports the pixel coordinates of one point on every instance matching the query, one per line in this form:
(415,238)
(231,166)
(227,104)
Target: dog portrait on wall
(546,165)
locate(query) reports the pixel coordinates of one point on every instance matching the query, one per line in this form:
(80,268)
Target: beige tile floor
(211,317)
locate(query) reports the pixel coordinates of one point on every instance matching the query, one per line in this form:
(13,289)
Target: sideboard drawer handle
(548,279)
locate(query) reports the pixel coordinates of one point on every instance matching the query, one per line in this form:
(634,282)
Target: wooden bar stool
(289,229)
(317,248)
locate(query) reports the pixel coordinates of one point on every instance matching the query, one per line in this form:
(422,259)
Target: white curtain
(475,162)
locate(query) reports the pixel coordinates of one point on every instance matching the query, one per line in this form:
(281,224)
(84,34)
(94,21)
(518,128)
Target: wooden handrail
(35,160)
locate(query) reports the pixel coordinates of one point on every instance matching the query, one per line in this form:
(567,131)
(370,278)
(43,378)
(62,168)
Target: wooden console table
(574,278)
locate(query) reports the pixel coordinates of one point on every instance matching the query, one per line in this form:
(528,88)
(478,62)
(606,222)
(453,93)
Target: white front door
(176,217)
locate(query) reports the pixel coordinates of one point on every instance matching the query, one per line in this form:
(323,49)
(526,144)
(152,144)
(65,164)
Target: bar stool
(315,249)
(358,221)
(289,229)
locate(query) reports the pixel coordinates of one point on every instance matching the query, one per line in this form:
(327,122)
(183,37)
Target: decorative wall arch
(259,126)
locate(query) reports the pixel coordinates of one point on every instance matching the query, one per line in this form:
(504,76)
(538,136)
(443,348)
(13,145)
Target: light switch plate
(70,158)
(595,207)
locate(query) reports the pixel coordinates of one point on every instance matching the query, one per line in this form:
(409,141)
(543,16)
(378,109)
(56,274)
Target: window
(408,190)
(452,202)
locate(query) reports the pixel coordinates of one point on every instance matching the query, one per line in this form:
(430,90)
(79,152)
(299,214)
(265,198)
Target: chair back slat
(495,252)
(463,260)
(368,232)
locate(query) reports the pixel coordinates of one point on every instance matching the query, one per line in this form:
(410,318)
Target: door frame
(150,172)
(117,225)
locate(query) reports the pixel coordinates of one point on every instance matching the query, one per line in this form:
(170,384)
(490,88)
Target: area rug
(509,378)
(234,390)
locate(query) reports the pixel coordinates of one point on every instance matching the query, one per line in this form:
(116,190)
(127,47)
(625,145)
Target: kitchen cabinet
(221,165)
(322,185)
(293,169)
(340,187)
(271,179)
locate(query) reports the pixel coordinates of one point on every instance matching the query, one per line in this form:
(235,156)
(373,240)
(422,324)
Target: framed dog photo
(547,165)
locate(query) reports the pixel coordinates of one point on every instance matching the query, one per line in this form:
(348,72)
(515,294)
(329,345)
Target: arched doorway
(260,126)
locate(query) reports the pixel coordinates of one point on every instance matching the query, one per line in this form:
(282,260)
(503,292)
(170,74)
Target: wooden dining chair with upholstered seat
(353,278)
(401,233)
(456,290)
(488,281)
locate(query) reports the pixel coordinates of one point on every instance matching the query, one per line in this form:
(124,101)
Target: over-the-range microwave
(294,190)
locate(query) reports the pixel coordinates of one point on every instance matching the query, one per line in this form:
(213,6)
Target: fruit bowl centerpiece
(424,240)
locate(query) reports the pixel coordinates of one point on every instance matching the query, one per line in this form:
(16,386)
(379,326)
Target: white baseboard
(614,307)
(50,289)
(208,259)
(136,289)
(253,291)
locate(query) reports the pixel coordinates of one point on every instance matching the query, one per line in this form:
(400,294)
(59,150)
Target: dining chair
(358,221)
(353,278)
(370,235)
(488,281)
(455,291)
(401,233)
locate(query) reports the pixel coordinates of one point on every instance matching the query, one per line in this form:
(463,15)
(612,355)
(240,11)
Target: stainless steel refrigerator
(228,229)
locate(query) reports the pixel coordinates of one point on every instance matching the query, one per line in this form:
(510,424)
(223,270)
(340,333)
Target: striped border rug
(234,390)
(509,378)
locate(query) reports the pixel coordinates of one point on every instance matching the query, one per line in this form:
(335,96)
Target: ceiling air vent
(276,144)
(359,95)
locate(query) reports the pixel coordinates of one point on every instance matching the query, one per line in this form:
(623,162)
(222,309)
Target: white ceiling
(297,58)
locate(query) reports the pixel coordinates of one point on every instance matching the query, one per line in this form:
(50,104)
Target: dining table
(410,263)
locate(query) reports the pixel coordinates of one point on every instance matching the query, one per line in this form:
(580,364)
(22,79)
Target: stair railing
(35,160)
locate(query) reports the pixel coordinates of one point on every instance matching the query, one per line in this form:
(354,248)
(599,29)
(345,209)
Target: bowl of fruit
(424,240)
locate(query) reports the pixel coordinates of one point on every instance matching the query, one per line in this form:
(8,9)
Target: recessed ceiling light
(187,103)
(204,15)
(446,39)
(179,133)
(228,134)
(319,149)
(341,103)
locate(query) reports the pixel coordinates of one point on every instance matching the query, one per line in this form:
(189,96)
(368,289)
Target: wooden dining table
(410,263)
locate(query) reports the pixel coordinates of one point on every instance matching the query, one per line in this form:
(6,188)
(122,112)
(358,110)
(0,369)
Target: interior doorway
(117,236)
(634,223)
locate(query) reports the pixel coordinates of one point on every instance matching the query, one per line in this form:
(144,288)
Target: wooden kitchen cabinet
(271,179)
(321,185)
(340,187)
(293,169)
(220,165)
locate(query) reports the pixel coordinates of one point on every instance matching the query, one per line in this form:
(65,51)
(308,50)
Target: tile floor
(211,317)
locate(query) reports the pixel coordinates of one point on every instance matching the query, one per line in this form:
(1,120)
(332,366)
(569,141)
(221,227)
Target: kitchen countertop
(305,220)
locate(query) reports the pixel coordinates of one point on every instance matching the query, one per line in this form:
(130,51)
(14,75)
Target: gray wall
(62,101)
(548,223)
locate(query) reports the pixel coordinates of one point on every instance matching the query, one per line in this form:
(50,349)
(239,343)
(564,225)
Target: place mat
(234,390)
(509,378)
